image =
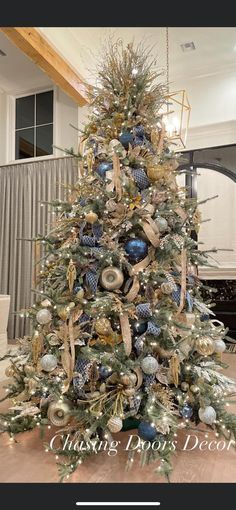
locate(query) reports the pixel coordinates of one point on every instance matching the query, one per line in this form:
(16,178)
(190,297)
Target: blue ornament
(77,288)
(186,411)
(147,431)
(139,131)
(204,317)
(139,327)
(136,249)
(138,141)
(103,167)
(104,372)
(125,138)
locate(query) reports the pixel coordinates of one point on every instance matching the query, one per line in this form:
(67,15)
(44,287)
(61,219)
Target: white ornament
(219,345)
(207,414)
(44,316)
(161,223)
(115,424)
(149,365)
(48,362)
(45,303)
(59,413)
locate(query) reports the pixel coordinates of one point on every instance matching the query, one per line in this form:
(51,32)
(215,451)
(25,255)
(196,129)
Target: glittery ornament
(161,223)
(111,278)
(207,415)
(48,362)
(136,249)
(204,346)
(115,424)
(147,431)
(103,326)
(59,413)
(43,316)
(153,172)
(149,365)
(166,288)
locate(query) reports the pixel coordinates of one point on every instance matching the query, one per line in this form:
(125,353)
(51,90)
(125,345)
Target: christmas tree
(121,335)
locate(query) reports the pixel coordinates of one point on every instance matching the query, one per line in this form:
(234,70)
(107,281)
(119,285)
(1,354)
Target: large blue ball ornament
(139,327)
(147,431)
(104,371)
(186,411)
(103,167)
(125,138)
(136,249)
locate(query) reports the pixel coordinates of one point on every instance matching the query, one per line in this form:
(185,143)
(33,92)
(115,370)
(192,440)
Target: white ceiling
(18,74)
(215,53)
(215,48)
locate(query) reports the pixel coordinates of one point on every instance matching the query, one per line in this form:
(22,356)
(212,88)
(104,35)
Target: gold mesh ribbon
(126,332)
(183,279)
(116,177)
(134,290)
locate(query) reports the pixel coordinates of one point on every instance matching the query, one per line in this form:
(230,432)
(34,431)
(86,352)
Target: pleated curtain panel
(23,188)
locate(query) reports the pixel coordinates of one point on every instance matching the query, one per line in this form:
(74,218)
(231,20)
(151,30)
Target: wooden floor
(26,461)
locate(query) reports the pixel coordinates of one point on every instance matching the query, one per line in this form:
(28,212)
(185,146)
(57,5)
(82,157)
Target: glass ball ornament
(207,414)
(219,345)
(59,413)
(184,386)
(139,327)
(147,431)
(103,326)
(186,411)
(103,167)
(111,278)
(149,365)
(194,389)
(48,362)
(204,346)
(43,316)
(126,138)
(91,217)
(115,424)
(161,223)
(136,249)
(104,371)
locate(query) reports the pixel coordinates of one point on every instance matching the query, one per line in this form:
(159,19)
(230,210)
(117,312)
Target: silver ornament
(207,414)
(115,424)
(111,278)
(219,345)
(161,223)
(43,316)
(48,362)
(59,413)
(45,303)
(149,365)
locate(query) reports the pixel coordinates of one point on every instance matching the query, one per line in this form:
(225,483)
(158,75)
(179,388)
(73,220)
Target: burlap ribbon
(116,177)
(181,213)
(133,292)
(183,279)
(126,332)
(151,230)
(140,266)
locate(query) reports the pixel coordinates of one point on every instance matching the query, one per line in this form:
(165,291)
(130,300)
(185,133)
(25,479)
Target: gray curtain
(22,189)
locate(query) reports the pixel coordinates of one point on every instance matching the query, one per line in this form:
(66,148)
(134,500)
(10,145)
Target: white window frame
(11,128)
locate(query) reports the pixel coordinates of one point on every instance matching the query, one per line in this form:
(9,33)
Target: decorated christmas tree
(121,335)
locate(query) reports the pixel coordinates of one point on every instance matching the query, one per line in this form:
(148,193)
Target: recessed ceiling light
(2,54)
(189,46)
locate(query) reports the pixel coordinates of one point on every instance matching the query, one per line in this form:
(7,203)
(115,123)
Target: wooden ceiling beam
(37,48)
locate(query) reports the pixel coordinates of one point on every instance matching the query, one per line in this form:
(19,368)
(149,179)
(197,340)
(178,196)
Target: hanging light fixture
(177,109)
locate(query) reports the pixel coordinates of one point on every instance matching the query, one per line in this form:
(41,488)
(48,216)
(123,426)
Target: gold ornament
(9,372)
(167,288)
(115,424)
(103,326)
(194,389)
(29,370)
(204,346)
(154,172)
(111,278)
(91,217)
(71,274)
(184,386)
(59,413)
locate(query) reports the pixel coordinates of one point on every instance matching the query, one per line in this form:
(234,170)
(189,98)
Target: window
(34,125)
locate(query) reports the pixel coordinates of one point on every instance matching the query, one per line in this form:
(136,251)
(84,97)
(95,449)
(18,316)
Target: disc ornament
(59,413)
(111,278)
